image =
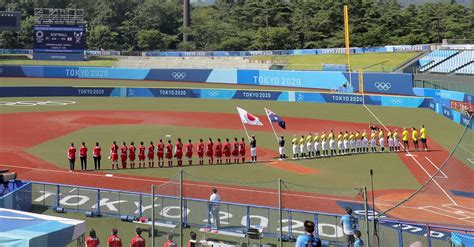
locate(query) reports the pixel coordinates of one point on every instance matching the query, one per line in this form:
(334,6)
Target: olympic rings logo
(38,103)
(383,86)
(213,93)
(178,75)
(396,101)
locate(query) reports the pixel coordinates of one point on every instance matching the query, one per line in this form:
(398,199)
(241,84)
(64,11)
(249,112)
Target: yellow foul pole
(348,46)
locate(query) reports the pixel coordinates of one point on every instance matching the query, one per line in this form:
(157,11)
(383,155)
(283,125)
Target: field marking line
(458,206)
(437,168)
(427,173)
(469,151)
(199,185)
(471,160)
(425,208)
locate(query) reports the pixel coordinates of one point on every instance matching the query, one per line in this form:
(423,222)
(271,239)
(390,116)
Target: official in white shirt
(214,202)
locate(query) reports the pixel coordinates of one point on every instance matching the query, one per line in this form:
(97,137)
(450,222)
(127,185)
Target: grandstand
(192,62)
(448,61)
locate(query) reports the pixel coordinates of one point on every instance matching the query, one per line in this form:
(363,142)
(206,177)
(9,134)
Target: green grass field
(358,61)
(102,61)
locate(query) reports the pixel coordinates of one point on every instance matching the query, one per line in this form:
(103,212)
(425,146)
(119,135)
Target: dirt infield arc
(23,130)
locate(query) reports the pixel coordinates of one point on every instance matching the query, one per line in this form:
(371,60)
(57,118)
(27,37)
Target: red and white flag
(248,118)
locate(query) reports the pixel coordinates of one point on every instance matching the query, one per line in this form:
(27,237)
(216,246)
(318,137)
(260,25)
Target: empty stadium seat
(435,57)
(453,63)
(466,70)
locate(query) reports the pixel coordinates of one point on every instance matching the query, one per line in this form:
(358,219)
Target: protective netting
(448,190)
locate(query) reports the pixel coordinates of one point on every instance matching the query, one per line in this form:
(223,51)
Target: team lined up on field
(343,143)
(234,152)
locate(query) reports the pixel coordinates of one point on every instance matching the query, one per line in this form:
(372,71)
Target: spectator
(114,240)
(349,224)
(214,209)
(308,239)
(138,241)
(92,240)
(192,241)
(169,242)
(358,240)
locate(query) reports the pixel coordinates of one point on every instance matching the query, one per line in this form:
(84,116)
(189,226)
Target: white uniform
(316,146)
(358,143)
(346,144)
(382,142)
(340,145)
(332,144)
(303,148)
(352,144)
(253,151)
(309,146)
(295,149)
(324,145)
(390,142)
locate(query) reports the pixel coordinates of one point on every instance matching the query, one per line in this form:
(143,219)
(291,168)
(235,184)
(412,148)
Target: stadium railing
(236,218)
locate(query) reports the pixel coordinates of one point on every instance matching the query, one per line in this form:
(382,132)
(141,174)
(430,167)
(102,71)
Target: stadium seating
(193,63)
(435,57)
(454,63)
(467,70)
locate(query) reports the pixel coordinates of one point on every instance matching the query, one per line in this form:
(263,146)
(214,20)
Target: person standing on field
(281,147)
(253,149)
(114,155)
(83,156)
(114,240)
(349,225)
(71,156)
(97,156)
(424,146)
(214,202)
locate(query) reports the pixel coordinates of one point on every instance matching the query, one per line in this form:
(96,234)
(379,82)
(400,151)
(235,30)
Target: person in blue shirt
(308,239)
(349,224)
(358,240)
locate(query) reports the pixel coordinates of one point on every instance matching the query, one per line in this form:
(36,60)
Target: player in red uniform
(219,151)
(92,240)
(178,152)
(210,151)
(114,155)
(200,152)
(131,154)
(189,152)
(151,155)
(71,156)
(141,155)
(114,240)
(161,153)
(83,156)
(169,153)
(227,151)
(138,241)
(242,150)
(235,150)
(123,155)
(96,155)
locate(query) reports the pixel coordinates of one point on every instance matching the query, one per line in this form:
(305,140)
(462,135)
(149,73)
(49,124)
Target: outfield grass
(358,61)
(11,82)
(24,60)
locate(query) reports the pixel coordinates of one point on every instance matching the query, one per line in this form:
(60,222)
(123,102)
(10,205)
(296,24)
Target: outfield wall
(383,83)
(291,96)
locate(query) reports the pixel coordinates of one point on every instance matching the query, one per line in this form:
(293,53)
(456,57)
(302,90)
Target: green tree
(102,37)
(153,40)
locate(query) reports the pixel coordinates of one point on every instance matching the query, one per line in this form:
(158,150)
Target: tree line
(145,25)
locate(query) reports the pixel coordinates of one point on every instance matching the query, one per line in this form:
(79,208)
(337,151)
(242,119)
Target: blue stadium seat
(454,63)
(435,57)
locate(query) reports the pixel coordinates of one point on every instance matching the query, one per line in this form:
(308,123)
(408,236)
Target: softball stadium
(149,140)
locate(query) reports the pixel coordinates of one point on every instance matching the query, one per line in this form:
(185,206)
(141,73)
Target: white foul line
(411,156)
(428,159)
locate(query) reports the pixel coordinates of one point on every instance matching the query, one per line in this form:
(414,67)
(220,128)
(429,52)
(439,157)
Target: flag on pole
(248,118)
(276,119)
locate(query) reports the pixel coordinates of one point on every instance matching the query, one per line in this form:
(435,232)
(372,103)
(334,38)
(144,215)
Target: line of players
(179,150)
(344,143)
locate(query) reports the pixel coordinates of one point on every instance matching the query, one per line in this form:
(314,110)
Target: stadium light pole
(186,19)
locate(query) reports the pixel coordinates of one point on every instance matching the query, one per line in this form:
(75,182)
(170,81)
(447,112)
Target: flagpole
(245,129)
(270,121)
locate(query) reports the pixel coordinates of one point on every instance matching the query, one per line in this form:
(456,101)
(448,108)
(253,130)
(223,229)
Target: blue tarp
(22,229)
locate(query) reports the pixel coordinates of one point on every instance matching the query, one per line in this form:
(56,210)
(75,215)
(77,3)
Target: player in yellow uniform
(381,141)
(309,145)
(365,142)
(345,139)
(332,143)
(340,145)
(415,136)
(396,141)
(390,140)
(324,147)
(302,147)
(423,138)
(358,141)
(406,146)
(352,143)
(294,142)
(317,145)
(373,145)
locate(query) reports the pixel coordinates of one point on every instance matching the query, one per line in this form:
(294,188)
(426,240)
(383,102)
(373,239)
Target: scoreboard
(10,21)
(59,42)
